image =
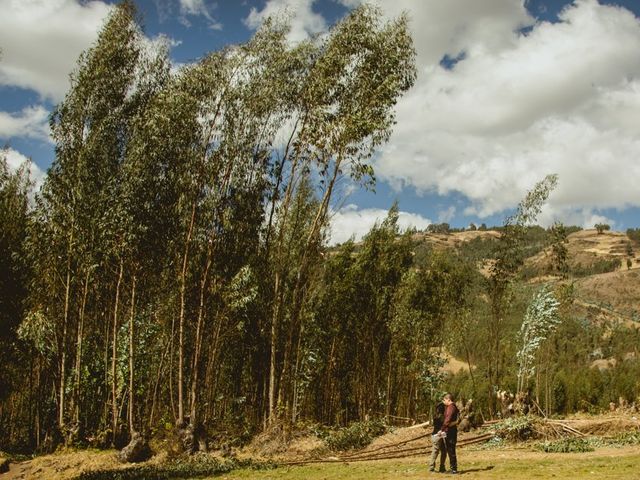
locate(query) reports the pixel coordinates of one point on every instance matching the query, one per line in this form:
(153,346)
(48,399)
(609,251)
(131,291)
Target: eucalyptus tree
(79,211)
(428,303)
(16,406)
(559,249)
(540,320)
(358,72)
(508,258)
(352,326)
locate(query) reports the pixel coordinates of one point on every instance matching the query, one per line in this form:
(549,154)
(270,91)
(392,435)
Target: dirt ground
(475,461)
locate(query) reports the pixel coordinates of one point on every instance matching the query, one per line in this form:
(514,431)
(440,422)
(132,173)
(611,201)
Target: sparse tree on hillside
(509,257)
(540,320)
(602,227)
(559,249)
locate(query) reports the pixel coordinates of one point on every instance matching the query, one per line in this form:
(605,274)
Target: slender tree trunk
(114,356)
(198,345)
(294,408)
(388,409)
(277,295)
(38,389)
(273,349)
(157,384)
(301,280)
(78,365)
(63,348)
(183,289)
(107,394)
(467,354)
(131,357)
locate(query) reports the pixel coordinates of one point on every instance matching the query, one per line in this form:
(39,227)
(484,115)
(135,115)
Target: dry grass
(68,464)
(475,462)
(511,463)
(440,241)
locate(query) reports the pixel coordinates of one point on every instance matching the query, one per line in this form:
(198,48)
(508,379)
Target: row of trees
(173,271)
(169,260)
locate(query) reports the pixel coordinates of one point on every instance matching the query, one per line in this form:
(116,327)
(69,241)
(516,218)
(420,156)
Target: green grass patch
(510,464)
(566,445)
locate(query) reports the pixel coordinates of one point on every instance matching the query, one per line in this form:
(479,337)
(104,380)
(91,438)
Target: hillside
(455,239)
(600,295)
(589,251)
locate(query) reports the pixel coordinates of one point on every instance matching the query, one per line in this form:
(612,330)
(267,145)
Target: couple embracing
(445,434)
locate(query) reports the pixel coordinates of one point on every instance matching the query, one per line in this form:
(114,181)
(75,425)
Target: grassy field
(512,464)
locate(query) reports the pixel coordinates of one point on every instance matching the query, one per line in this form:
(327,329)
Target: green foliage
(356,436)
(602,227)
(559,250)
(566,445)
(443,228)
(540,320)
(625,438)
(634,235)
(516,428)
(604,265)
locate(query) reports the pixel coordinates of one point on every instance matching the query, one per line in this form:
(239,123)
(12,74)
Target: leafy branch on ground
(355,436)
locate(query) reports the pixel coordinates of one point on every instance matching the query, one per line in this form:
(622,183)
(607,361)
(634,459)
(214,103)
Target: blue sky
(507,92)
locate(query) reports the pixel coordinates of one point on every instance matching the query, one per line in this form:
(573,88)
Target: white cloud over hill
(352,221)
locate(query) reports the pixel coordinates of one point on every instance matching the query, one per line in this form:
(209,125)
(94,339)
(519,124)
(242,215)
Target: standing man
(450,428)
(437,439)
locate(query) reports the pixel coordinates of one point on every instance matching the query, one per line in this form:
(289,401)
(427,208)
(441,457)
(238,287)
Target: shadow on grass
(472,470)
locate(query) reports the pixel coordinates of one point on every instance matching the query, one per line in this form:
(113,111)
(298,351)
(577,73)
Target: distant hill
(606,288)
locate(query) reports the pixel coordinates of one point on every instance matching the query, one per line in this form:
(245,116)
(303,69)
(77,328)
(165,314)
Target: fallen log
(378,454)
(390,445)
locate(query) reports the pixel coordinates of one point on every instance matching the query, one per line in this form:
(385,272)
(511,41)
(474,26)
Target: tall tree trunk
(131,357)
(198,345)
(277,294)
(79,340)
(114,356)
(63,342)
(183,289)
(301,280)
(273,348)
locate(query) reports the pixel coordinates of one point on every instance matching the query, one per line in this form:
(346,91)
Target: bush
(566,445)
(516,428)
(625,438)
(599,266)
(357,435)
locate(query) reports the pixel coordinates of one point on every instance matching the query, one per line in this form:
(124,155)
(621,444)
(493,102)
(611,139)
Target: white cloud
(31,122)
(582,217)
(16,159)
(352,221)
(303,20)
(42,39)
(447,214)
(197,8)
(565,98)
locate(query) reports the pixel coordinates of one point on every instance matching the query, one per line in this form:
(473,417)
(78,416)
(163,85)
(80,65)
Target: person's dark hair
(448,396)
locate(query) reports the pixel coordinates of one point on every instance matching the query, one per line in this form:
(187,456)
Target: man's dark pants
(451,440)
